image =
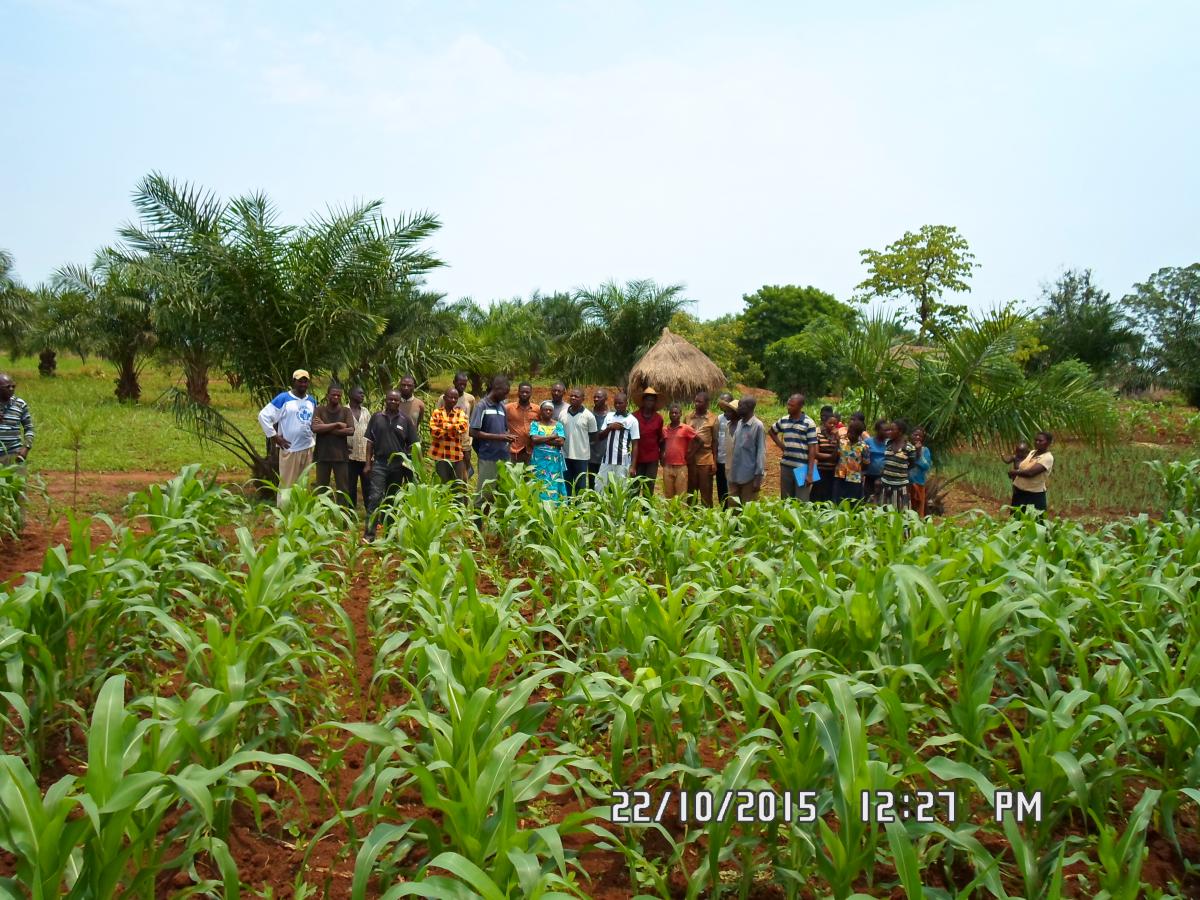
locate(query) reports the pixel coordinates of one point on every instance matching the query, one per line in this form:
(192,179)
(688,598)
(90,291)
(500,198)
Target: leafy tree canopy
(778,311)
(720,340)
(1167,307)
(922,267)
(1079,320)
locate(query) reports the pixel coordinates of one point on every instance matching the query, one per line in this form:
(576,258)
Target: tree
(505,336)
(620,323)
(720,340)
(1081,321)
(922,266)
(967,387)
(779,311)
(1167,307)
(231,280)
(108,310)
(14,305)
(802,362)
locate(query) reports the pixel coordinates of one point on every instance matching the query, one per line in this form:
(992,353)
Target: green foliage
(720,340)
(805,362)
(1167,307)
(966,386)
(107,310)
(12,495)
(1081,321)
(1181,482)
(234,283)
(922,267)
(620,323)
(774,312)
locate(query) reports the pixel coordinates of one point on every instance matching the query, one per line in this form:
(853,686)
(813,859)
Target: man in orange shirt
(447,426)
(702,462)
(521,414)
(677,441)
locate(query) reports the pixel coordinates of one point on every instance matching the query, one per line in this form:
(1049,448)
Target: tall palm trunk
(195,371)
(129,390)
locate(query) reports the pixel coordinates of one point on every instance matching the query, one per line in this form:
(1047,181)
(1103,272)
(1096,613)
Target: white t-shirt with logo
(293,415)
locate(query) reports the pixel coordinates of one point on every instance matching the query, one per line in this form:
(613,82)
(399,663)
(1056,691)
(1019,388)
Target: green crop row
(524,671)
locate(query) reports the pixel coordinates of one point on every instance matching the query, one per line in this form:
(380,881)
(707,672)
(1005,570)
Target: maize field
(211,693)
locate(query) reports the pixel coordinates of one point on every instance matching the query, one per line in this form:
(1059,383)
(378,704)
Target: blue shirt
(921,467)
(876,448)
(489,417)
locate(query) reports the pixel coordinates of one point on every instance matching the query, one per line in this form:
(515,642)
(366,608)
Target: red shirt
(650,442)
(678,437)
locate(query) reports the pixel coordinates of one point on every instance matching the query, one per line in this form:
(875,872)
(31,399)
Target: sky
(722,146)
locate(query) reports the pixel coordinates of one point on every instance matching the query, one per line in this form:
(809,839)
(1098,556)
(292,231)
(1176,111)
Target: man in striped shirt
(620,443)
(796,435)
(16,424)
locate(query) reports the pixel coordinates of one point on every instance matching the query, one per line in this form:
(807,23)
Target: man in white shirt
(579,425)
(287,421)
(620,443)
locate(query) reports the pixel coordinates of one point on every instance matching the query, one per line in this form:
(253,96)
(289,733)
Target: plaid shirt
(446,430)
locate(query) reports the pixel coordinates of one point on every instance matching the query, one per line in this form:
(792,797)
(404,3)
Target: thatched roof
(675,369)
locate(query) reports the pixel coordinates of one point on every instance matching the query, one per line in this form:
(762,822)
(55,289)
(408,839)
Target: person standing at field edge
(796,435)
(701,461)
(390,437)
(466,402)
(16,424)
(649,441)
(579,425)
(413,407)
(447,425)
(600,412)
(521,414)
(1030,474)
(919,472)
(620,443)
(679,439)
(489,428)
(333,424)
(287,421)
(357,443)
(725,423)
(747,457)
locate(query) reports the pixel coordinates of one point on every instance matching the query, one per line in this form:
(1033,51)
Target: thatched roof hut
(676,369)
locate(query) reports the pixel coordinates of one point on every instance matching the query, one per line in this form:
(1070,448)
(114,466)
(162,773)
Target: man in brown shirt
(413,407)
(332,424)
(702,463)
(521,414)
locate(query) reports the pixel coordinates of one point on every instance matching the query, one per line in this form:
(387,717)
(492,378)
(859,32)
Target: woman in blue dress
(548,436)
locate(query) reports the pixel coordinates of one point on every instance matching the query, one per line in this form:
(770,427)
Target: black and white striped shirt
(617,443)
(16,426)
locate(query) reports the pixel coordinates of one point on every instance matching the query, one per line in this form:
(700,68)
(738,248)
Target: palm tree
(108,309)
(232,283)
(967,386)
(619,324)
(14,305)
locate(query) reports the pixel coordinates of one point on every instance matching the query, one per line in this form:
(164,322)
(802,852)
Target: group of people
(712,456)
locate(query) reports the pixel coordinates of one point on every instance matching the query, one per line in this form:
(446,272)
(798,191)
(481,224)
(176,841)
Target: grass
(119,437)
(1085,480)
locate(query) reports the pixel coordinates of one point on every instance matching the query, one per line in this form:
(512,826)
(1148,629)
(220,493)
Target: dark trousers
(847,490)
(647,472)
(577,476)
(822,491)
(341,479)
(870,486)
(358,478)
(386,478)
(700,481)
(722,484)
(592,472)
(1036,499)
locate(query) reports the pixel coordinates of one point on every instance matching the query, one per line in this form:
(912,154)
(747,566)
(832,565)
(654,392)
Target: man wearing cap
(650,443)
(287,422)
(747,456)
